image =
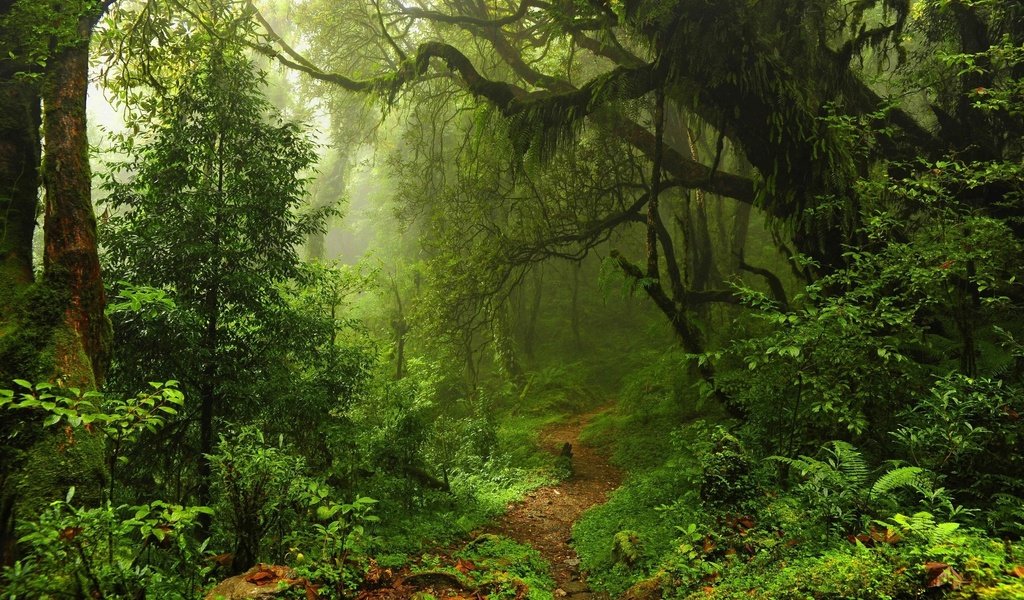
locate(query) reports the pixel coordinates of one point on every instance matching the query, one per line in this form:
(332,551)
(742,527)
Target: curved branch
(624,82)
(774,283)
(440,17)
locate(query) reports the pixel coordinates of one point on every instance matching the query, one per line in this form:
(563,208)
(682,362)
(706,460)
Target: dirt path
(544,519)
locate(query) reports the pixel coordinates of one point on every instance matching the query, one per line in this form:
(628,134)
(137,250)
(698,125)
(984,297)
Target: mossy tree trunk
(55,329)
(71,261)
(19,187)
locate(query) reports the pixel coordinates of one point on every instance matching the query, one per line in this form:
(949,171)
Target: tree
(54,329)
(785,98)
(210,211)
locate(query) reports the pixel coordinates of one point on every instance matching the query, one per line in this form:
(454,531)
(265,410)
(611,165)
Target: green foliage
(121,420)
(208,211)
(836,488)
(726,470)
(36,32)
(869,337)
(922,528)
(508,569)
(108,551)
(841,572)
(648,507)
(259,488)
(964,430)
(81,419)
(330,550)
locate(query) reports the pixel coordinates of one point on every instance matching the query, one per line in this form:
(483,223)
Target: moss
(62,458)
(38,465)
(27,336)
(71,365)
(12,285)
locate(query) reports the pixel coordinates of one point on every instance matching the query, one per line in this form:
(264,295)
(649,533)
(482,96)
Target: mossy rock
(647,589)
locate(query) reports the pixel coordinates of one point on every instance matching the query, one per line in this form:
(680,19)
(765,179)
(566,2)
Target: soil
(544,518)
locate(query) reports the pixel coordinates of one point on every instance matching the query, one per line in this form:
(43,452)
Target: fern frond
(942,533)
(901,477)
(848,461)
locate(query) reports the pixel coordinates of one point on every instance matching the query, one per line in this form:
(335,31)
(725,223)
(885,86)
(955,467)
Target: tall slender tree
(210,210)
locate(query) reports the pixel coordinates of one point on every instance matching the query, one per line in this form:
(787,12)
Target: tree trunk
(207,404)
(71,262)
(577,337)
(57,330)
(19,184)
(529,340)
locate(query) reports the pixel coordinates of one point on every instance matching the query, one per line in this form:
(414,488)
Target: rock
(428,579)
(648,589)
(258,583)
(575,587)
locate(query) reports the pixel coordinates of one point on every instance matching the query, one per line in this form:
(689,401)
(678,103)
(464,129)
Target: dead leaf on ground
(268,574)
(938,574)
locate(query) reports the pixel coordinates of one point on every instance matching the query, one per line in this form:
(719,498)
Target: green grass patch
(506,567)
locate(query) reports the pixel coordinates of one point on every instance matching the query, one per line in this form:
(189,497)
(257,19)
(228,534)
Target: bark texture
(71,261)
(19,182)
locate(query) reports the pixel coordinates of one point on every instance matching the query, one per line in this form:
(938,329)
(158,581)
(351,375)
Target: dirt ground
(544,519)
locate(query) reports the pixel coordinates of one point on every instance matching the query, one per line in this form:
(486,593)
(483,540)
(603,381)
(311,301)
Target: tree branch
(774,283)
(433,15)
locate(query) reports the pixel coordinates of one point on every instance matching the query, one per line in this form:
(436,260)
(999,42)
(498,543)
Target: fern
(850,462)
(922,527)
(900,477)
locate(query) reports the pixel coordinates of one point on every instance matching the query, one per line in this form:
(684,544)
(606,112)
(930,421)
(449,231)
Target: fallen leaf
(938,574)
(1018,571)
(311,591)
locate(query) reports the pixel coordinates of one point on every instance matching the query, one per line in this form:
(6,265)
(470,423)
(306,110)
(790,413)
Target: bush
(108,552)
(259,490)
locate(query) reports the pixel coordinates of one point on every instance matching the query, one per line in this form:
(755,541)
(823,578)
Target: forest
(511,299)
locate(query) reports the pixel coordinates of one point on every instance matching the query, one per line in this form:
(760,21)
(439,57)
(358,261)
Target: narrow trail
(544,519)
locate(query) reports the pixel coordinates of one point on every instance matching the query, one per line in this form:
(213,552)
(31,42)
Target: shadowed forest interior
(511,299)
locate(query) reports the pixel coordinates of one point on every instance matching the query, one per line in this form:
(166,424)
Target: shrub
(108,552)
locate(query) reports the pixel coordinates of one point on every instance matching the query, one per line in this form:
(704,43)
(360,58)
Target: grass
(415,520)
(646,438)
